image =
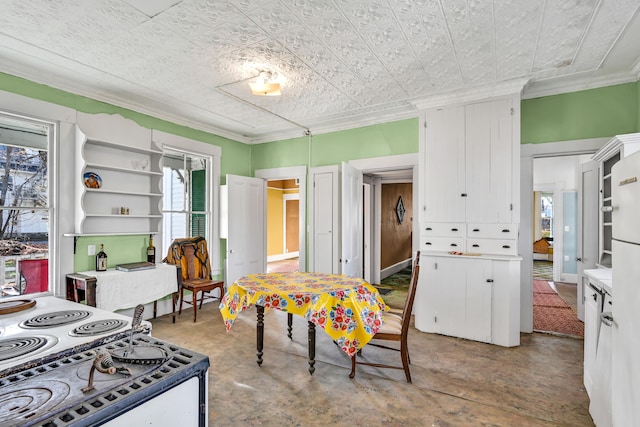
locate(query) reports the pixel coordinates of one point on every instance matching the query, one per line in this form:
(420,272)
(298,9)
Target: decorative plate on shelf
(92,180)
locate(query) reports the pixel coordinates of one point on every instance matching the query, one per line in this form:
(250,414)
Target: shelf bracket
(75,243)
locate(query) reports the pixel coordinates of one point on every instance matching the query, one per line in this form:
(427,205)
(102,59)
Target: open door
(352,233)
(587,227)
(246,241)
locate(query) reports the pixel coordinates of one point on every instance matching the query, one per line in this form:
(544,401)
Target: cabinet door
(427,300)
(591,331)
(478,299)
(488,150)
(443,155)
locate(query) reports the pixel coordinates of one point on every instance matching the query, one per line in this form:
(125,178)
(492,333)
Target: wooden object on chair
(192,258)
(395,328)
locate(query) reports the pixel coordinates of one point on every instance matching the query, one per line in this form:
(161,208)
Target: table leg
(290,326)
(312,347)
(260,333)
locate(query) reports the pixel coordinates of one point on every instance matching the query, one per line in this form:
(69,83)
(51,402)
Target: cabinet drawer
(492,231)
(493,246)
(443,229)
(446,244)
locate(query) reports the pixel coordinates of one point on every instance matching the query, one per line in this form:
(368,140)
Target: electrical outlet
(91,250)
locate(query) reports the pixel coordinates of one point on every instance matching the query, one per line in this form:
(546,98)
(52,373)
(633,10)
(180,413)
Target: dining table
(348,309)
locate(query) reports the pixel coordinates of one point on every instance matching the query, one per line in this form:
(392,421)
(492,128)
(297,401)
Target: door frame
(299,173)
(525,242)
(390,163)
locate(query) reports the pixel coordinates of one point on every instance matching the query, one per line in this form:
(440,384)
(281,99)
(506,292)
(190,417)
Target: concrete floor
(455,382)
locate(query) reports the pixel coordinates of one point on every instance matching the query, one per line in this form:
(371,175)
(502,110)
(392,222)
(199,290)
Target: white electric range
(48,353)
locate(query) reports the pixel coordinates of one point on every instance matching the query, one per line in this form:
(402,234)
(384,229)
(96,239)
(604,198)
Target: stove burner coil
(16,347)
(57,318)
(97,327)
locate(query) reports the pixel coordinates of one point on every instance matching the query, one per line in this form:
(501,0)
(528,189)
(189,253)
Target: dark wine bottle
(151,250)
(101,259)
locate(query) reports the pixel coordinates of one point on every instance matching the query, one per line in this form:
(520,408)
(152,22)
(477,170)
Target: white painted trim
(168,141)
(282,257)
(300,173)
(395,268)
(527,153)
(390,163)
(557,86)
(471,95)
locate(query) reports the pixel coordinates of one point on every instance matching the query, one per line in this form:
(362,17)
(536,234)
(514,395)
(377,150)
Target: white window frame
(61,218)
(171,142)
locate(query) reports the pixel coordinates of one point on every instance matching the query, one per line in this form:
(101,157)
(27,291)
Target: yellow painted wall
(274,221)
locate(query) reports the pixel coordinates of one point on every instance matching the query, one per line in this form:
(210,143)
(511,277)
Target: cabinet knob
(428,243)
(595,297)
(475,245)
(506,246)
(463,195)
(579,259)
(505,230)
(476,229)
(454,245)
(428,228)
(489,280)
(454,229)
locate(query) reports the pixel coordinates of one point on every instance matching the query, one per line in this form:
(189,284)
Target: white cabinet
(617,148)
(475,298)
(118,177)
(467,157)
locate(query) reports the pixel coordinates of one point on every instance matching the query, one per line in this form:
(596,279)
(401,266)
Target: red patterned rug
(552,314)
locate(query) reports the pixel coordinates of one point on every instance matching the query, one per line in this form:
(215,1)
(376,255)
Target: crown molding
(473,94)
(560,85)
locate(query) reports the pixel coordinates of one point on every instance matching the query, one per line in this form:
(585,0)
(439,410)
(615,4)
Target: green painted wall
(236,159)
(387,139)
(602,112)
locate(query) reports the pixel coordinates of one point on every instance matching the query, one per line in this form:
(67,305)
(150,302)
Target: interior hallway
(455,382)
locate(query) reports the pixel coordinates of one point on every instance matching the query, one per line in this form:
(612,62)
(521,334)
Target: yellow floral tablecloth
(348,309)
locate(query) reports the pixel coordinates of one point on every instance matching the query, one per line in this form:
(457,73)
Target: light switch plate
(91,250)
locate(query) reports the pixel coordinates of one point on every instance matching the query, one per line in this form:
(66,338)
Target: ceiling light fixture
(265,85)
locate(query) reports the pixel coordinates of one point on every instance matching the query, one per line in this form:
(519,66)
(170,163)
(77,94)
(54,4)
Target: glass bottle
(101,259)
(151,250)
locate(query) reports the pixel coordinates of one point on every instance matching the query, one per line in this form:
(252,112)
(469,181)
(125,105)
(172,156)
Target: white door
(324,220)
(587,227)
(246,242)
(351,221)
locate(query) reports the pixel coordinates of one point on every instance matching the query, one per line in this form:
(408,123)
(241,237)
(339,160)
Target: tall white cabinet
(469,214)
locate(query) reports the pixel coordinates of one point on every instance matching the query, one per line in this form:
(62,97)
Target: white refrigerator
(625,329)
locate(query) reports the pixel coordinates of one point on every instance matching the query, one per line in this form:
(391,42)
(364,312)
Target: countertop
(601,277)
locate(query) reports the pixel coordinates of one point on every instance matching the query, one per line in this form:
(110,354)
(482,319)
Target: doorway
(285,211)
(555,236)
(283,231)
(529,154)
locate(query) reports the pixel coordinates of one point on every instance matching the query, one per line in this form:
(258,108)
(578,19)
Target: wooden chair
(194,271)
(395,328)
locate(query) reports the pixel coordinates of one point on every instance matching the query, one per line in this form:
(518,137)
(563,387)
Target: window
(25,209)
(186,204)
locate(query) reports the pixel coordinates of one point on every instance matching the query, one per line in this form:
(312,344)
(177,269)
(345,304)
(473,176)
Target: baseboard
(568,278)
(282,257)
(395,268)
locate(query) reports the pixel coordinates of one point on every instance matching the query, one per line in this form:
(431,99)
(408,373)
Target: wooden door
(292,225)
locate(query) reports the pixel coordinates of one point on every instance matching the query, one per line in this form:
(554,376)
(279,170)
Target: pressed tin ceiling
(341,63)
